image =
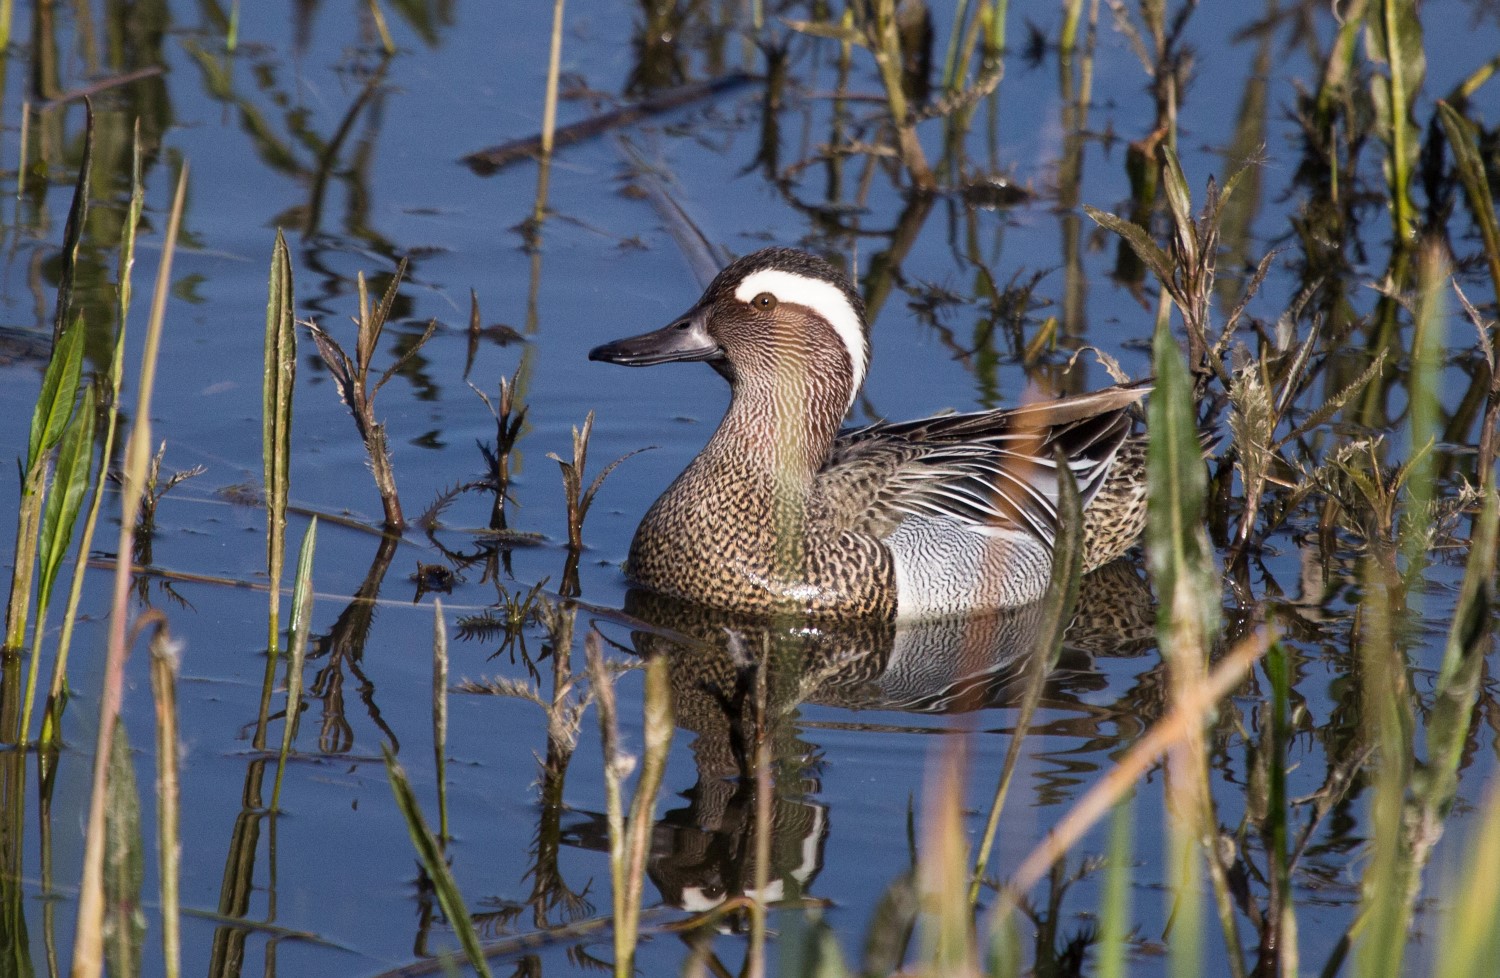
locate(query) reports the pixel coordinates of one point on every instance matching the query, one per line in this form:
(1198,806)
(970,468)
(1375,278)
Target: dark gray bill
(686,339)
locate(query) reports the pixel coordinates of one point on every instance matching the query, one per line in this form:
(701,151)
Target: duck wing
(988,469)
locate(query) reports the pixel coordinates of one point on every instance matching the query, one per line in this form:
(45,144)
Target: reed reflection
(702,854)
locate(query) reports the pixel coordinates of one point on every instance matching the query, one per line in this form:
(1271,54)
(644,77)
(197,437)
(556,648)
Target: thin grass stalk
(1471,174)
(755,954)
(1428,335)
(947,916)
(1383,921)
(1057,611)
(1114,910)
(657,733)
(1279,671)
(1185,715)
(124,925)
(886,46)
(25,133)
(440,715)
(1469,945)
(950,81)
(378,16)
(1340,64)
(232,33)
(549,116)
(301,623)
(988,23)
(164,664)
(615,768)
(1400,46)
(1178,554)
(999,11)
(52,715)
(280,373)
(435,865)
(1067,40)
(88,950)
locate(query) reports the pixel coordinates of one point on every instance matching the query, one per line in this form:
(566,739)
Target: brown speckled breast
(718,536)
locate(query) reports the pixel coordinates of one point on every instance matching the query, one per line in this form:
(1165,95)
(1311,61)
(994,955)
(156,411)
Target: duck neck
(781,424)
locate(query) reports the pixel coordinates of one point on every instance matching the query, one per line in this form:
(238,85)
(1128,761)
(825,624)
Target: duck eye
(765,302)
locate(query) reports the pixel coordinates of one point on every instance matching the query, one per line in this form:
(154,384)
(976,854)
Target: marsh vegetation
(318,657)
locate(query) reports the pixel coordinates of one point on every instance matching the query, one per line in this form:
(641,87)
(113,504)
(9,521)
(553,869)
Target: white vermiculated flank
(823,298)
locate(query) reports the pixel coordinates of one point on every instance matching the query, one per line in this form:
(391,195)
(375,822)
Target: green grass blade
(1470,943)
(1427,357)
(75,460)
(1395,39)
(1471,173)
(124,866)
(276,416)
(87,950)
(1114,912)
(436,866)
(78,215)
(1177,545)
(280,376)
(1177,552)
(57,694)
(1469,640)
(1057,604)
(54,403)
(302,602)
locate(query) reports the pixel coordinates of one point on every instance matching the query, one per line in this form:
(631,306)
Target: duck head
(770,309)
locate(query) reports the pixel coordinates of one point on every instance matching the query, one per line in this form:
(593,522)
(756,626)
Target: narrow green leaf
(78,213)
(54,403)
(69,483)
(436,866)
(1469,945)
(302,602)
(1140,242)
(1176,542)
(1180,203)
(276,401)
(124,866)
(1471,173)
(15,943)
(1470,639)
(1114,910)
(835,32)
(891,926)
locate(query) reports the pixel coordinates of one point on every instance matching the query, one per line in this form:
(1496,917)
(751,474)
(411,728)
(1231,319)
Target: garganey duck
(783,513)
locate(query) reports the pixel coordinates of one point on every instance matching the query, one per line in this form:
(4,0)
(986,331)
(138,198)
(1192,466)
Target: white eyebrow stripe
(823,298)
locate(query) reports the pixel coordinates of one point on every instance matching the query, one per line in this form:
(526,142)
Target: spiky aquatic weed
(352,377)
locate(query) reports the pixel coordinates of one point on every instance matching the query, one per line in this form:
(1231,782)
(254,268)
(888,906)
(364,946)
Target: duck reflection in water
(723,666)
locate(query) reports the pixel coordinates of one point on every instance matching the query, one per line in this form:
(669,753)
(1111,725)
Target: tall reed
(87,955)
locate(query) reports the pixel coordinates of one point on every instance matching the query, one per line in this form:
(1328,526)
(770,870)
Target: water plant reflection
(702,855)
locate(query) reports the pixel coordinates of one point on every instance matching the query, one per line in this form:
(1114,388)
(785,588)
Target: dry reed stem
(1186,715)
(549,117)
(88,943)
(164,667)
